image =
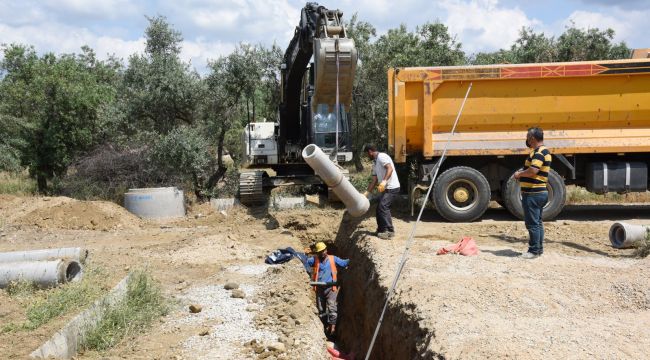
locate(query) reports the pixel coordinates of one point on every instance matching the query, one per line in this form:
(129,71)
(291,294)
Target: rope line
(409,242)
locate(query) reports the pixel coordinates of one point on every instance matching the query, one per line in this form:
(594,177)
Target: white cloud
(200,51)
(251,21)
(111,9)
(20,13)
(61,38)
(483,25)
(628,25)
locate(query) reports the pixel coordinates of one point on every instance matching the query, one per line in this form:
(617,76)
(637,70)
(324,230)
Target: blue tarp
(280,256)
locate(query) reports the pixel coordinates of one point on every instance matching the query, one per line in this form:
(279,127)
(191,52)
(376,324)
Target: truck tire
(461,194)
(511,195)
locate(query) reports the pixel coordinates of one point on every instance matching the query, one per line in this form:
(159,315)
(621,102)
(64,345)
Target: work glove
(382,186)
(366,193)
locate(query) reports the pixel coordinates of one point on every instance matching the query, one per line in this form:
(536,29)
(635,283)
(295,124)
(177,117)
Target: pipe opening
(309,151)
(73,272)
(619,236)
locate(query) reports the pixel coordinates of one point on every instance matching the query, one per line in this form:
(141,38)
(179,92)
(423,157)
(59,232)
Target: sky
(213,28)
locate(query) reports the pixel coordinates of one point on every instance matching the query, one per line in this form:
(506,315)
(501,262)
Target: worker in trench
(325,280)
(384,178)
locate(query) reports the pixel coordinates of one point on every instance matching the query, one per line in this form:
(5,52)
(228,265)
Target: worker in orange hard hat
(325,280)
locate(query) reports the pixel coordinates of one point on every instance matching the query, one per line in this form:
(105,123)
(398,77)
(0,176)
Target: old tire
(511,195)
(461,194)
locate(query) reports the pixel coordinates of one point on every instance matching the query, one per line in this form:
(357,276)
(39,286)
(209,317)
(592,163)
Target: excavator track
(251,188)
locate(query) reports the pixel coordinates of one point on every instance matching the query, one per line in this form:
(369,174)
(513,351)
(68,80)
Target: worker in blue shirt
(324,278)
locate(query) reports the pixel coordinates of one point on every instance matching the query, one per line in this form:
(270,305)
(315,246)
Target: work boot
(385,235)
(529,255)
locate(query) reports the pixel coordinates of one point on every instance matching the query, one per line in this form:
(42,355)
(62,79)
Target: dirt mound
(79,215)
(311,226)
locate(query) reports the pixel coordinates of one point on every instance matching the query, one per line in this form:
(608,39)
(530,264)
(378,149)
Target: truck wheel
(556,197)
(461,194)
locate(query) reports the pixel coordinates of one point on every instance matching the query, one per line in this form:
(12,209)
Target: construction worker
(324,274)
(385,179)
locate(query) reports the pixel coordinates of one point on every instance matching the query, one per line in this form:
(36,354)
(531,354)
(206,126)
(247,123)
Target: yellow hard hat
(320,246)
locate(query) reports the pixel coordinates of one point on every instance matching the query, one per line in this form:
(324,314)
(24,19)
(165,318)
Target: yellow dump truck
(595,116)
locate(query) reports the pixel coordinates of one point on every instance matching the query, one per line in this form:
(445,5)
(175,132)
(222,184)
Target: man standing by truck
(385,179)
(534,195)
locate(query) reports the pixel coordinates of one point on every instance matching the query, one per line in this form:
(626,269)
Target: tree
(429,45)
(57,102)
(573,45)
(591,44)
(239,86)
(160,91)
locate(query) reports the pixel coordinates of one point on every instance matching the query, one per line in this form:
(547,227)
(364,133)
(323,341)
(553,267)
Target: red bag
(466,246)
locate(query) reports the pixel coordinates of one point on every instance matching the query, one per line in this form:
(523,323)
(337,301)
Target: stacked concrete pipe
(42,273)
(155,203)
(76,254)
(355,203)
(623,235)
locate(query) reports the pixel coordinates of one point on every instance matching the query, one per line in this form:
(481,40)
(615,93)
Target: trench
(361,301)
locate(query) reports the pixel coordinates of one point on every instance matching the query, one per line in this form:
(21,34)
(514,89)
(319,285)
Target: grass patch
(143,304)
(17,184)
(580,195)
(48,304)
(643,250)
(21,289)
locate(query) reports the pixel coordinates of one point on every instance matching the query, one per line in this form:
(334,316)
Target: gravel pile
(252,270)
(234,323)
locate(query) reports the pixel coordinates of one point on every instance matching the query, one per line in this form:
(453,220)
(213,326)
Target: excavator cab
(327,134)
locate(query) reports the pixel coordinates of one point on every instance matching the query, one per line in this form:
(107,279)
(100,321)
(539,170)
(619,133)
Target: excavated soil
(582,299)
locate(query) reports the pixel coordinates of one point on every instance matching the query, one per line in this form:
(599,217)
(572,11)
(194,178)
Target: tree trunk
(221,168)
(41,181)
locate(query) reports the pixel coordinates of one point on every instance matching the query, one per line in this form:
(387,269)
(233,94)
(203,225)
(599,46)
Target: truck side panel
(586,107)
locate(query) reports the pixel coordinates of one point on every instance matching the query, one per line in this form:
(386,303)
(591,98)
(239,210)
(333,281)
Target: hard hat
(320,246)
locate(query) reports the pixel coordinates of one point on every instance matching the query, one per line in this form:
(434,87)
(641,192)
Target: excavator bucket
(327,68)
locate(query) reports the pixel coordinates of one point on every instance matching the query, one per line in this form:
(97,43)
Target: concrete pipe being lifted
(76,254)
(42,273)
(623,235)
(355,203)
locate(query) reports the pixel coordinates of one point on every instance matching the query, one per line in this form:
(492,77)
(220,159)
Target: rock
(223,212)
(204,332)
(238,294)
(231,286)
(195,309)
(277,346)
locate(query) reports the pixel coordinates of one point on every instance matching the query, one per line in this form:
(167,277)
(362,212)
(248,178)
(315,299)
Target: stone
(231,286)
(204,332)
(238,294)
(277,346)
(195,308)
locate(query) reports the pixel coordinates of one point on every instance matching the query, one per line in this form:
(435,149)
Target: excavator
(317,74)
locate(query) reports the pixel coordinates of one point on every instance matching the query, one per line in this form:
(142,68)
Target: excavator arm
(322,35)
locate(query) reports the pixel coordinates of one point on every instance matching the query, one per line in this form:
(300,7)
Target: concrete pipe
(155,203)
(623,235)
(41,273)
(76,254)
(355,203)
